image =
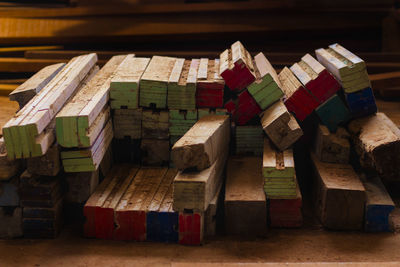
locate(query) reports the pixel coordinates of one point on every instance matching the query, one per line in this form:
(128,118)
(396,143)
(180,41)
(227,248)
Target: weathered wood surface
(10,222)
(125,82)
(194,190)
(8,167)
(49,164)
(236,67)
(80,186)
(75,119)
(378,206)
(127,123)
(377,143)
(266,88)
(245,201)
(249,139)
(361,103)
(349,70)
(9,195)
(297,99)
(155,152)
(155,124)
(339,196)
(243,109)
(332,147)
(203,143)
(154,83)
(25,134)
(315,78)
(333,113)
(210,85)
(180,121)
(26,91)
(280,126)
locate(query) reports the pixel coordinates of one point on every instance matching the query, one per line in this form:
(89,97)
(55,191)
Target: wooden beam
(332,147)
(210,85)
(48,165)
(333,113)
(127,123)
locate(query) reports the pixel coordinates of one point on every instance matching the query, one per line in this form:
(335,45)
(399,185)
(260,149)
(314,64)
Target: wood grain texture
(332,147)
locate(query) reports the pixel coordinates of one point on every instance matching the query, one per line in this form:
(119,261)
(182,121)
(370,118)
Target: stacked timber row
(351,72)
(84,127)
(200,157)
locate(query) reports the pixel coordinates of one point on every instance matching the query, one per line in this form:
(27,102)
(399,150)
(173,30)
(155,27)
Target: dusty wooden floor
(310,244)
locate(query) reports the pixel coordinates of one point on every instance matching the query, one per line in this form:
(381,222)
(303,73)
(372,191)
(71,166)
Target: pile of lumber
(249,139)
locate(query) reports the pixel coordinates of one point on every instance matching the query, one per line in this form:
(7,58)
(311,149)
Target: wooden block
(155,152)
(127,123)
(210,111)
(315,78)
(85,160)
(9,195)
(154,83)
(245,202)
(130,213)
(10,222)
(349,70)
(48,164)
(155,124)
(340,196)
(210,85)
(361,103)
(39,191)
(333,112)
(161,219)
(87,108)
(266,88)
(280,126)
(332,147)
(125,82)
(297,99)
(378,206)
(100,207)
(8,167)
(210,215)
(80,186)
(191,228)
(377,143)
(202,144)
(26,91)
(25,134)
(286,213)
(249,139)
(44,222)
(180,121)
(195,189)
(236,67)
(243,109)
(182,84)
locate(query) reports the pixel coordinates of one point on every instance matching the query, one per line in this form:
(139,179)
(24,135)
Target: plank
(154,84)
(236,67)
(8,168)
(125,83)
(266,88)
(377,143)
(75,119)
(194,190)
(210,85)
(180,121)
(280,126)
(315,78)
(349,69)
(297,99)
(332,147)
(243,109)
(155,152)
(200,147)
(80,186)
(340,195)
(155,124)
(99,209)
(182,84)
(10,222)
(245,202)
(378,207)
(22,133)
(127,123)
(26,91)
(249,140)
(333,112)
(361,103)
(49,164)
(161,219)
(211,111)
